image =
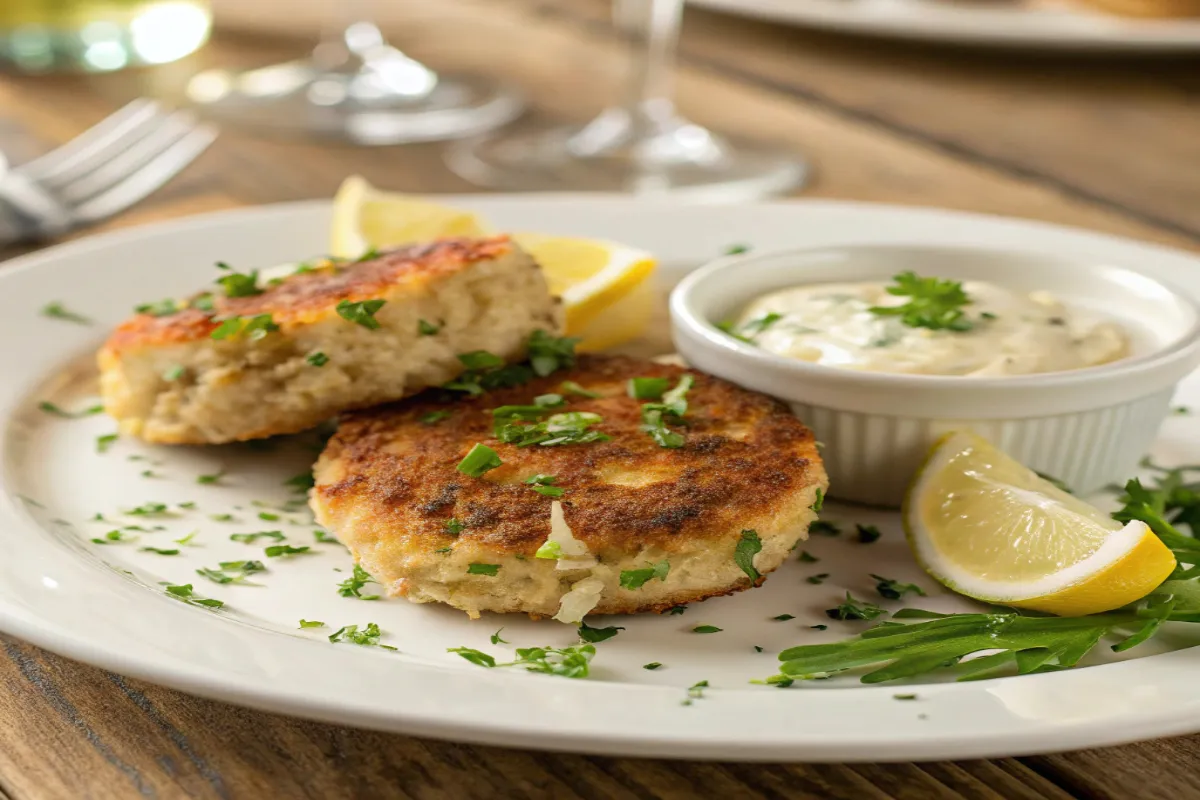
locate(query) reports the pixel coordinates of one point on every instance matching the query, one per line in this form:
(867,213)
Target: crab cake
(248,361)
(600,502)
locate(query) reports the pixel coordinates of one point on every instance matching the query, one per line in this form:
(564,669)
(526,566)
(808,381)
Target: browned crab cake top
(743,458)
(311,295)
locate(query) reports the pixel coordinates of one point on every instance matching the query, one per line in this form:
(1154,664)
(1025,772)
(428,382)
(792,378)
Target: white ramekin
(1087,427)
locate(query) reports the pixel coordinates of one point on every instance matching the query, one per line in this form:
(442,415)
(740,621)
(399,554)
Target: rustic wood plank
(1165,769)
(1116,132)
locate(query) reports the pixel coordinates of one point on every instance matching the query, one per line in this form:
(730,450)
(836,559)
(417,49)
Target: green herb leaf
(427,328)
(647,388)
(675,611)
(695,692)
(477,657)
(807,557)
(674,405)
(434,416)
(736,249)
(571,387)
(637,578)
(187,539)
(267,516)
(454,527)
(160,308)
(237,284)
(483,569)
(361,313)
(548,354)
(652,665)
(855,609)
(747,548)
(784,617)
(160,551)
(311,623)
(317,359)
(210,479)
(184,592)
(894,590)
(104,442)
(706,629)
(353,586)
(496,637)
(51,408)
(818,503)
(232,571)
(589,634)
(277,550)
(367,637)
(867,534)
(149,510)
(57,310)
(479,460)
(251,538)
(824,528)
(818,579)
(933,303)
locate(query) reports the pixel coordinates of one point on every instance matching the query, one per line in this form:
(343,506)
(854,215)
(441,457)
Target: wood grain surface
(1108,145)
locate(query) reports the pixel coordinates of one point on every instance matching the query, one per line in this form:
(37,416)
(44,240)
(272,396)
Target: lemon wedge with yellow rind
(607,297)
(992,529)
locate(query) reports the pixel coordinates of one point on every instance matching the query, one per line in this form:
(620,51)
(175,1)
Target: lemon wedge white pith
(989,528)
(607,297)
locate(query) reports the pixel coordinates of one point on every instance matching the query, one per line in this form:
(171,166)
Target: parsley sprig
(934,303)
(569,662)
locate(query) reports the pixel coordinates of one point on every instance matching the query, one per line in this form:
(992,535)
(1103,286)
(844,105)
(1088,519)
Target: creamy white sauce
(1013,333)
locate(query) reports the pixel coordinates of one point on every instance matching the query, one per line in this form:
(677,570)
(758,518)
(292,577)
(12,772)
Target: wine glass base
(551,160)
(303,99)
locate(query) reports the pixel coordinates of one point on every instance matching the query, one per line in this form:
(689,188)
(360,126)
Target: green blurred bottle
(99,35)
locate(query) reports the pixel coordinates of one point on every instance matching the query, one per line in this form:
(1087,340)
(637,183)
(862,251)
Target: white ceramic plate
(104,604)
(1031,24)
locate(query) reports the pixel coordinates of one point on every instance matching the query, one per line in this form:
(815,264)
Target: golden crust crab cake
(637,526)
(284,356)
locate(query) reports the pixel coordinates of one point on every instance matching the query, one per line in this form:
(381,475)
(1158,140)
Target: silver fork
(101,172)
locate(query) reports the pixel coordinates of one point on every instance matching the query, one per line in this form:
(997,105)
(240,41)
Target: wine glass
(642,146)
(357,87)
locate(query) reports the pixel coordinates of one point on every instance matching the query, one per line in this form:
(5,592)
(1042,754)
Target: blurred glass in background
(99,35)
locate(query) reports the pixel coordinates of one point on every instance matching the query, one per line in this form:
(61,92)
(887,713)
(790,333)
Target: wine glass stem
(652,29)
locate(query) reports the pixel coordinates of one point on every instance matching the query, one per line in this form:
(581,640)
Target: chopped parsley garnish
(188,505)
(322,537)
(251,538)
(367,637)
(277,550)
(159,550)
(353,586)
(1181,411)
(317,359)
(549,549)
(904,697)
(202,302)
(479,460)
(221,517)
(106,441)
(544,484)
(747,548)
(589,634)
(301,482)
(637,578)
(57,310)
(759,324)
(695,692)
(486,371)
(186,540)
(571,427)
(427,328)
(819,627)
(267,516)
(571,387)
(569,662)
(818,503)
(161,308)
(933,303)
(647,388)
(652,665)
(483,569)
(174,373)
(736,249)
(674,405)
(149,510)
(706,629)
(476,657)
(237,284)
(854,609)
(806,557)
(454,527)
(253,328)
(894,590)
(547,353)
(210,479)
(435,416)
(675,611)
(824,528)
(758,648)
(51,408)
(113,536)
(817,579)
(362,313)
(480,359)
(184,592)
(867,534)
(495,637)
(232,571)
(311,623)
(784,617)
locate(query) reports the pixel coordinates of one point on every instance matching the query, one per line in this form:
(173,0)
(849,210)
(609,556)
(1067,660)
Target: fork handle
(37,213)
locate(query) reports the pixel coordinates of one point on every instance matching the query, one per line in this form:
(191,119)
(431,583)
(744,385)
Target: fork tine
(130,160)
(93,146)
(153,174)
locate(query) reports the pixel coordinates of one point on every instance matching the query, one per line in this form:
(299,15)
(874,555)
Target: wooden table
(1108,145)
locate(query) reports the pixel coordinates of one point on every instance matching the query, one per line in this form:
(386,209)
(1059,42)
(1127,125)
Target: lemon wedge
(989,528)
(607,297)
(365,217)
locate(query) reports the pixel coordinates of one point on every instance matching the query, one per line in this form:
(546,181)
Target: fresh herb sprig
(934,303)
(569,662)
